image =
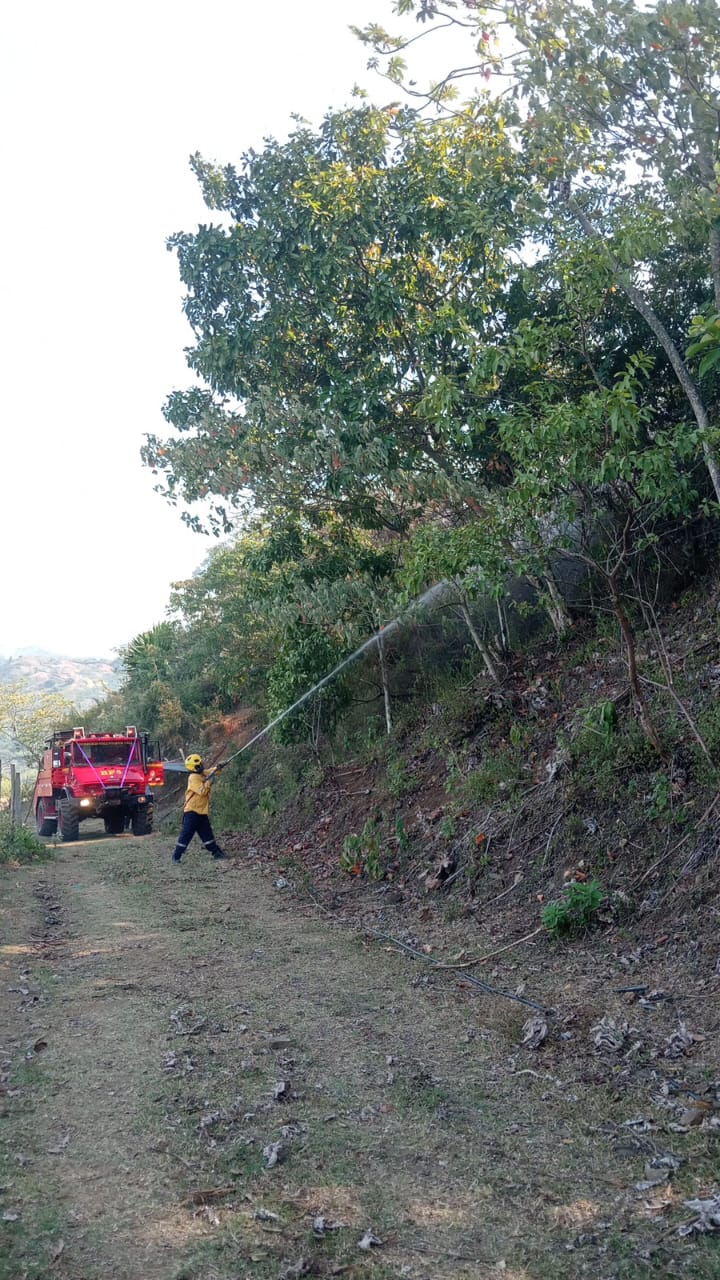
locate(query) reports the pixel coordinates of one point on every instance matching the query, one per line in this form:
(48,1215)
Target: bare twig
(698,648)
(675,847)
(192,1031)
(505,892)
(509,946)
(553,829)
(207,1195)
(668,688)
(467,977)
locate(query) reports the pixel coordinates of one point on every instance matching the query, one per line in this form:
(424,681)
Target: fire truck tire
(114,824)
(68,821)
(45,826)
(142,820)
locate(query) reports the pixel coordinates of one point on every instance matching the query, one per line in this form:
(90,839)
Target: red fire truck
(96,775)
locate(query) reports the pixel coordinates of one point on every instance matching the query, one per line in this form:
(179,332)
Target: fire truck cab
(96,775)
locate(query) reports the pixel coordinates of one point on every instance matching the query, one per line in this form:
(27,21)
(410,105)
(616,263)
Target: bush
(18,843)
(575,911)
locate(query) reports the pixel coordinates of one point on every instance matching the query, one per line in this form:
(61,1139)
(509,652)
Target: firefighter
(196,807)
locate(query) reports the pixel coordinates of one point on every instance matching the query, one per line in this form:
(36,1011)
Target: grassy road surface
(203,1077)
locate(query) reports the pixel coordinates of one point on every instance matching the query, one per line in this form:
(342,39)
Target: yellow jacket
(197,796)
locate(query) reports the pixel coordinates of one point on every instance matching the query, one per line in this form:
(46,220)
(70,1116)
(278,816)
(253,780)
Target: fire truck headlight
(84,804)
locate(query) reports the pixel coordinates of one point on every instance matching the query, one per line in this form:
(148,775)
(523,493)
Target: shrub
(18,843)
(575,910)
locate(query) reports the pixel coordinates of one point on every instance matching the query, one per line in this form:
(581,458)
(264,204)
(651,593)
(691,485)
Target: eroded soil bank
(203,1076)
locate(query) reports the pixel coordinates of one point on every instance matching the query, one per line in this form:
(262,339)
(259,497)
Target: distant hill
(80,680)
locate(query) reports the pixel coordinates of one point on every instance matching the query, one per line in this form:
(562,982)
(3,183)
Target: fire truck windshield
(104,753)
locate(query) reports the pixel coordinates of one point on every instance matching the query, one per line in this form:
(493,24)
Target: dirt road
(202,1077)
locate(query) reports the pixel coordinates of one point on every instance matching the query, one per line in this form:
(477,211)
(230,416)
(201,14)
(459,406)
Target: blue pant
(196,824)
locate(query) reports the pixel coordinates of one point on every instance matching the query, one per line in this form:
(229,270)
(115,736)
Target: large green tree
(340,310)
(614,99)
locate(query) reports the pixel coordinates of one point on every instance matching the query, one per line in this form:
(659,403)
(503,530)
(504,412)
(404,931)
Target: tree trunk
(557,608)
(631,653)
(385,685)
(487,657)
(503,628)
(552,602)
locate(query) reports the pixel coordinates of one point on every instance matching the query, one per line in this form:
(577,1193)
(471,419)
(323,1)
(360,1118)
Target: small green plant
(18,843)
(267,804)
(575,910)
(397,779)
(448,828)
(601,718)
(660,799)
(351,856)
(401,835)
(453,782)
(362,854)
(519,735)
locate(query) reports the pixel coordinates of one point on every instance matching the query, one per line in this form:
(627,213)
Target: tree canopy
(472,342)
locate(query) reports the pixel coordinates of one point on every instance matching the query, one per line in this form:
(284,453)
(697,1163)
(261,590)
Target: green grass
(499,772)
(28,1246)
(20,844)
(415,1096)
(26,1074)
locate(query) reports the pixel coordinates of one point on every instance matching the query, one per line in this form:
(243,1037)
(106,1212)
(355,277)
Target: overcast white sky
(101,107)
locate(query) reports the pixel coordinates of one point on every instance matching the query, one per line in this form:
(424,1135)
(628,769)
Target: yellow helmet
(194,763)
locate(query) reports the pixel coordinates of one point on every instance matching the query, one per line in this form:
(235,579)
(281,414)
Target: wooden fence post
(15,795)
(17,798)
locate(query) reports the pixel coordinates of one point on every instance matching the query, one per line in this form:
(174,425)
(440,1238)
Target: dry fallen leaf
(708,1216)
(56,1151)
(299,1268)
(321,1225)
(209,1213)
(608,1035)
(368,1241)
(680,1042)
(534,1032)
(273,1154)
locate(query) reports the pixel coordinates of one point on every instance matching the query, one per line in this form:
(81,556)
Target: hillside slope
(81,680)
(498,802)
